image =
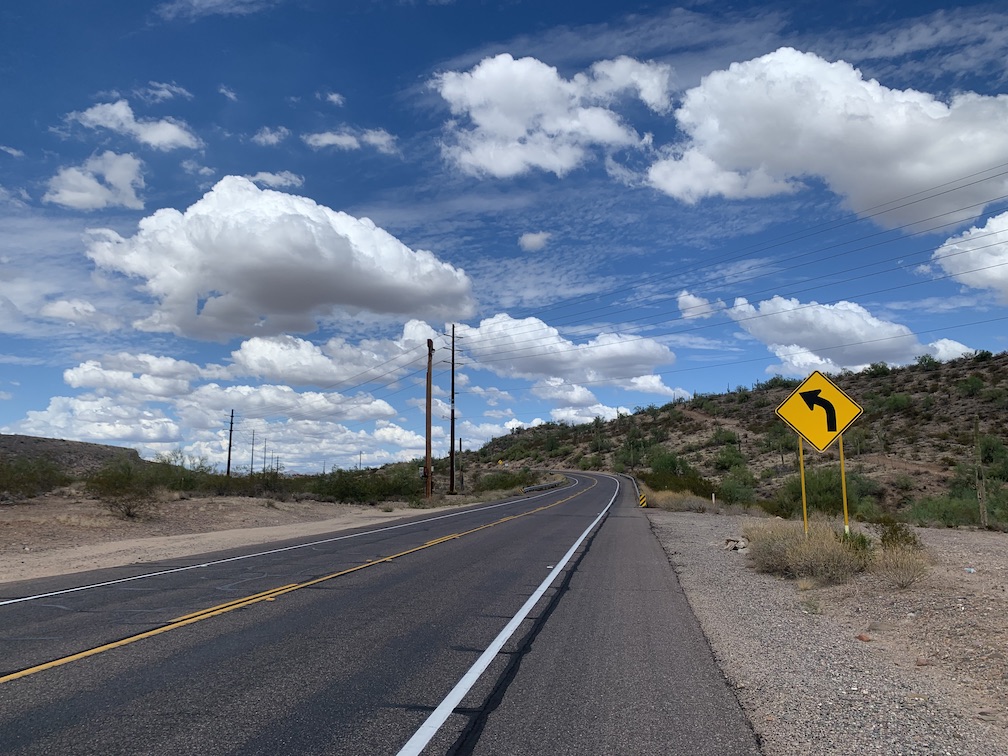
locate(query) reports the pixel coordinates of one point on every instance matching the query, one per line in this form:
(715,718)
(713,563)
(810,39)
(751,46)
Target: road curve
(347,644)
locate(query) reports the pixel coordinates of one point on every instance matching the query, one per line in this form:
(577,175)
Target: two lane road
(353,644)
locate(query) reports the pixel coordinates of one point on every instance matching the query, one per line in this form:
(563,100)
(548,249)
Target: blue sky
(269,206)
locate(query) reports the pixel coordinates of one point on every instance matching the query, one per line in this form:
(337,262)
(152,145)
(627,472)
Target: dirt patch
(950,625)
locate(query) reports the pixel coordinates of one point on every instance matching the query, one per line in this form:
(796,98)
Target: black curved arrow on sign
(812,398)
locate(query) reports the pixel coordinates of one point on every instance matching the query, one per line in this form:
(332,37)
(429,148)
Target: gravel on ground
(859,668)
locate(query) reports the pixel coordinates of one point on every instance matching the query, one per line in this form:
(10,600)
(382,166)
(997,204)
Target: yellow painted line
(269,595)
(236,603)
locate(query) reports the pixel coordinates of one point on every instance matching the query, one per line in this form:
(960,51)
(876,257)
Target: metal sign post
(819,412)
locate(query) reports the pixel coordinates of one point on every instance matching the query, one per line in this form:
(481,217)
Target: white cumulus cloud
(692,306)
(533,242)
(978,258)
(532,349)
(249,261)
(106,180)
(830,337)
(562,392)
(348,139)
(166,134)
(760,127)
(517,115)
(267,137)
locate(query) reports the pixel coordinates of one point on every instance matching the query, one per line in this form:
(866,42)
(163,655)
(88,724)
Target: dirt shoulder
(64,533)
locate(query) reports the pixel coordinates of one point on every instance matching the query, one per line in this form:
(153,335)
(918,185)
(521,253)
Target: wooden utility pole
(230,437)
(451,447)
(428,482)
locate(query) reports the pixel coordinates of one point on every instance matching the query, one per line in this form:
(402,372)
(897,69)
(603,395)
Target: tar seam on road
(269,595)
(415,745)
(50,594)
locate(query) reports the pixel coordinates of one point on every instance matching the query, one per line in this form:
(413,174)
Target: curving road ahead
(551,623)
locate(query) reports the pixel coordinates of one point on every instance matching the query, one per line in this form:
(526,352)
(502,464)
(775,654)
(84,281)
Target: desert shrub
(876,369)
(661,460)
(901,566)
(739,486)
(970,386)
(826,555)
(728,457)
(950,511)
(30,477)
(893,534)
(676,501)
(124,480)
(505,480)
(898,402)
(927,362)
(680,478)
(824,492)
(397,482)
(771,544)
(723,436)
(779,381)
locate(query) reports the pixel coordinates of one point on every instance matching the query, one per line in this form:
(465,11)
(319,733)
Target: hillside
(916,441)
(75,458)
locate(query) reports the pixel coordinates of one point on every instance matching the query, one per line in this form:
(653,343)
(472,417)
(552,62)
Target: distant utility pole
(461,467)
(230,436)
(428,482)
(451,446)
(252,463)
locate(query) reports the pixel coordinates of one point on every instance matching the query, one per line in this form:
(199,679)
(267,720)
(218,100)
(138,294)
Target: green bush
(898,402)
(728,457)
(505,480)
(30,477)
(970,386)
(950,511)
(893,534)
(738,487)
(722,436)
(124,484)
(876,369)
(824,492)
(687,479)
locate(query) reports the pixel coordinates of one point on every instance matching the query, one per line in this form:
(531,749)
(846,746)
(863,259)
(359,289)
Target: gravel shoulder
(858,668)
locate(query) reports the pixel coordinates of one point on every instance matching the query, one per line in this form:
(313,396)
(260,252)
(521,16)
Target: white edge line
(146,575)
(429,728)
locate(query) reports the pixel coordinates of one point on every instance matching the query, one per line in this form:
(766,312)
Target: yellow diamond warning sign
(819,411)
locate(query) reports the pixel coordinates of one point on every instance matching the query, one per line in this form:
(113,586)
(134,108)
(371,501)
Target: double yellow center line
(269,595)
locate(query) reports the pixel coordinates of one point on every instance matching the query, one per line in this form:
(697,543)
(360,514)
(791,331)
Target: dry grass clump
(826,556)
(676,501)
(901,565)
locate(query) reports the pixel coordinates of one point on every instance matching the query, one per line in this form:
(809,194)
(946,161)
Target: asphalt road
(348,644)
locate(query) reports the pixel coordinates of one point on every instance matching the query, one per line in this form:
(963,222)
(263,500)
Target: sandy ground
(59,534)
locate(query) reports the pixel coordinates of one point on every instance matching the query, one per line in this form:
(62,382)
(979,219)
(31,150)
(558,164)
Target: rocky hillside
(75,458)
(917,436)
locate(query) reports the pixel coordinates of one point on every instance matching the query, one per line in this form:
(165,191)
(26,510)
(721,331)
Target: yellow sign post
(819,412)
